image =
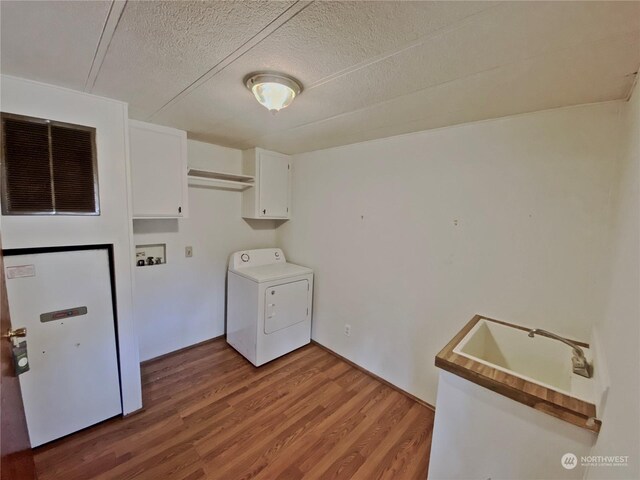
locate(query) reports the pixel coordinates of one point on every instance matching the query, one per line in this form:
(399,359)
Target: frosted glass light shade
(274,96)
(273,91)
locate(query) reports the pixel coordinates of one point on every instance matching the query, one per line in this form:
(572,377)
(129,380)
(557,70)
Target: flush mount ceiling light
(274,91)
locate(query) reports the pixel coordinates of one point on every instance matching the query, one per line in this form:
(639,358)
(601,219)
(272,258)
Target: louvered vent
(48,168)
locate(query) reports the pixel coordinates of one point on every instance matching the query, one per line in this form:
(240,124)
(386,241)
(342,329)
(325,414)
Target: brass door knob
(18,332)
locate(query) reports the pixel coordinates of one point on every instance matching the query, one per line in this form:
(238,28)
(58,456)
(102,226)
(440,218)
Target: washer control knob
(244,257)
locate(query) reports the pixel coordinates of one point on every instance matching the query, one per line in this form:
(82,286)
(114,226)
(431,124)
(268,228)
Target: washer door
(285,305)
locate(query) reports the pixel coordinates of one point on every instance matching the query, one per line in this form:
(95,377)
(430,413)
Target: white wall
(183,302)
(619,328)
(112,226)
(411,236)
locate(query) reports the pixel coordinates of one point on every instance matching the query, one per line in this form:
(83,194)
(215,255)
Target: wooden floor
(209,414)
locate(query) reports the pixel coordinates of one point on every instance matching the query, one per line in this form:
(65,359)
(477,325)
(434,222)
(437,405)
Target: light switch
(188,252)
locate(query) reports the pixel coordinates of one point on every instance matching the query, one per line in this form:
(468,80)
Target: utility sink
(539,360)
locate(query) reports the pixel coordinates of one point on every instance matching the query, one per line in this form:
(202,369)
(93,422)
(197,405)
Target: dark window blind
(48,168)
(72,155)
(27,170)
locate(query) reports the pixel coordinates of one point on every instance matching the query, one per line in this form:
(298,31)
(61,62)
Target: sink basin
(540,360)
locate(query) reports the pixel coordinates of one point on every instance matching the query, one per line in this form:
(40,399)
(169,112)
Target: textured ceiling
(369,69)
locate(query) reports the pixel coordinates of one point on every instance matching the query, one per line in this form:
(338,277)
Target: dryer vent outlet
(347,329)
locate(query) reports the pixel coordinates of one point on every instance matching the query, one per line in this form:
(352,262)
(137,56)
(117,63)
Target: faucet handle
(581,366)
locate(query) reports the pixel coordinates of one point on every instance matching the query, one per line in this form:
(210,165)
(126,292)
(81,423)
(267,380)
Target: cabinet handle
(264,212)
(179,209)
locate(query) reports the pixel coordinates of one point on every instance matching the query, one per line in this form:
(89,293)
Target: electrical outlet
(347,329)
(188,252)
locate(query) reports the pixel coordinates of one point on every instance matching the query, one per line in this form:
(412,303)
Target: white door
(274,185)
(285,305)
(64,301)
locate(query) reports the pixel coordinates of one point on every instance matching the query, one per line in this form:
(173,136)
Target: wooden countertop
(567,408)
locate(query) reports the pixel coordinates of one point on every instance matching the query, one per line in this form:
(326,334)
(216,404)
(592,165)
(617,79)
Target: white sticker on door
(20,271)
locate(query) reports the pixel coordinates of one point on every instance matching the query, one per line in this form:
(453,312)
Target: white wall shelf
(210,178)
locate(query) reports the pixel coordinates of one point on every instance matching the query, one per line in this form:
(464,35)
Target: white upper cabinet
(271,196)
(158,171)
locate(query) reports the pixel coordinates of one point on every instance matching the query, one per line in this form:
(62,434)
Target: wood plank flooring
(210,414)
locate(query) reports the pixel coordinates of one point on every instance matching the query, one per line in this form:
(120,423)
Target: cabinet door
(158,171)
(274,185)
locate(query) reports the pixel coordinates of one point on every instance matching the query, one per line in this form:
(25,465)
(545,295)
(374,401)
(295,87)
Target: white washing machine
(268,304)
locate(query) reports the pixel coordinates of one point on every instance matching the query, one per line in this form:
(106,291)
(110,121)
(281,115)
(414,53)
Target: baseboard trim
(380,379)
(181,350)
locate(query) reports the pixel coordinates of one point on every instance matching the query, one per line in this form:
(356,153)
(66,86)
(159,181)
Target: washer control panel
(255,258)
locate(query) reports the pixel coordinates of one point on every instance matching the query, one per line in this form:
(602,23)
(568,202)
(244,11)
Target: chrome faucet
(580,364)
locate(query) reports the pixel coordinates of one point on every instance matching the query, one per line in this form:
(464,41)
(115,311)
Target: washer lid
(274,271)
